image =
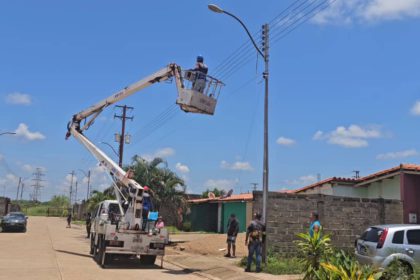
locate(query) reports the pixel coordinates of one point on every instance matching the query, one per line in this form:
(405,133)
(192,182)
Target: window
(372,234)
(398,237)
(413,236)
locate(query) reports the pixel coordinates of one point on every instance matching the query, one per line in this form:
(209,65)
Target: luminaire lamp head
(215,8)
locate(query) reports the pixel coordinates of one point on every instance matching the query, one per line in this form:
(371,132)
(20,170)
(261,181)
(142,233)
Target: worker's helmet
(145,188)
(200,58)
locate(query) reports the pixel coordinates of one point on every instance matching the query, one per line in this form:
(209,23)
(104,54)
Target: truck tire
(92,245)
(103,258)
(147,259)
(97,249)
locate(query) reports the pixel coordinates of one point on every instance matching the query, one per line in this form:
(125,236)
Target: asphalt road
(49,250)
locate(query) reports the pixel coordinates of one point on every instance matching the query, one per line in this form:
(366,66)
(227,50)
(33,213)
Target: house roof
(234,197)
(362,180)
(326,181)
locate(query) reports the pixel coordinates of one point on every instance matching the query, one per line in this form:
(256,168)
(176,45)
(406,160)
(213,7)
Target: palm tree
(96,198)
(168,189)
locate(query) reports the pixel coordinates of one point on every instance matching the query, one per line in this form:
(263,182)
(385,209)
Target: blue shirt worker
(315,225)
(147,206)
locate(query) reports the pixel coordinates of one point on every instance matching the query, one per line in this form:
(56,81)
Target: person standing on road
(255,234)
(232,233)
(315,225)
(88,224)
(69,220)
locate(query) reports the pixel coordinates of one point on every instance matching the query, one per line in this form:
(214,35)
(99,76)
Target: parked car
(14,221)
(380,245)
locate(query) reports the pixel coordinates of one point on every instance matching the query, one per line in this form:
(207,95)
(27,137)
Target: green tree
(59,201)
(97,197)
(217,192)
(167,188)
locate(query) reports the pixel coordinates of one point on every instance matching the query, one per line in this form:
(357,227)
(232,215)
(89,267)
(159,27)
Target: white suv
(380,245)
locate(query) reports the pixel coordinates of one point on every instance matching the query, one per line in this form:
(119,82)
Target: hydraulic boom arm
(130,195)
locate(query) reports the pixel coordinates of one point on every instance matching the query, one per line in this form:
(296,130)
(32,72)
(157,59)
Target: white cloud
(23,131)
(182,168)
(224,184)
(237,165)
(161,153)
(391,9)
(318,135)
(352,137)
(285,141)
(415,110)
(9,179)
(349,11)
(397,155)
(302,181)
(28,168)
(17,98)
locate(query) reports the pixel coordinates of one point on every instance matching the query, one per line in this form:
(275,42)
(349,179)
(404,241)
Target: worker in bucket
(200,70)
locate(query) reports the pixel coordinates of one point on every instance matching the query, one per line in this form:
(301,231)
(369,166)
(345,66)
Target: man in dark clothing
(200,70)
(232,232)
(69,220)
(88,224)
(255,234)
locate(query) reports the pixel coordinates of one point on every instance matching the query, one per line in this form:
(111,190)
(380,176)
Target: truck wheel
(147,259)
(104,259)
(92,245)
(97,250)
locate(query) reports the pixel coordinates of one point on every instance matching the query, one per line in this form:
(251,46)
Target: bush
(186,226)
(399,270)
(322,262)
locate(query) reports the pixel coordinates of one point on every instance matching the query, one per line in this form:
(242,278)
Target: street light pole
(265,56)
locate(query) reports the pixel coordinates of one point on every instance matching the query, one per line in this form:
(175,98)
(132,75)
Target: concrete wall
(343,218)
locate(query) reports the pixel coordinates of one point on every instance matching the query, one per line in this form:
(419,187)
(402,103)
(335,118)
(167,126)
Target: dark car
(14,221)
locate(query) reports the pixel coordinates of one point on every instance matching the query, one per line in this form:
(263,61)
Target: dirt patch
(208,244)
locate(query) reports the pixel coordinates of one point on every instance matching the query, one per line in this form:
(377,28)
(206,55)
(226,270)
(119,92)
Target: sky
(344,90)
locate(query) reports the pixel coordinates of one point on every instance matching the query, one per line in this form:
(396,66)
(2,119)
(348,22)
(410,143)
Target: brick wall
(343,218)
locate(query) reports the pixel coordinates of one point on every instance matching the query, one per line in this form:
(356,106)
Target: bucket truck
(117,224)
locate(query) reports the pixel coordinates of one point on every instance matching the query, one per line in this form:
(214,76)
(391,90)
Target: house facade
(212,214)
(400,183)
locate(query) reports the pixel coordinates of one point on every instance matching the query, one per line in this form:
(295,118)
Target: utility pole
(255,186)
(265,48)
(21,190)
(122,137)
(75,195)
(71,187)
(37,184)
(88,186)
(18,187)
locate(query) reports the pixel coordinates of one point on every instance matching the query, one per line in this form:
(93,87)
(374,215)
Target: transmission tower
(37,185)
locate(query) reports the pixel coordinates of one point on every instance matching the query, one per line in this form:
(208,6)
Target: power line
(289,22)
